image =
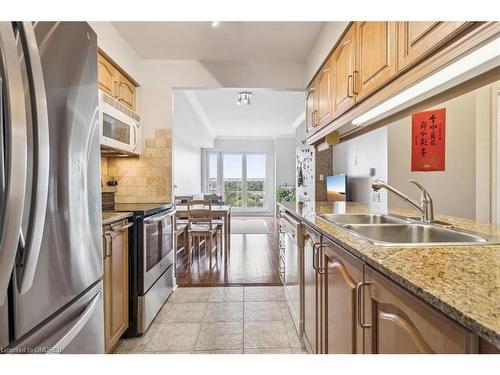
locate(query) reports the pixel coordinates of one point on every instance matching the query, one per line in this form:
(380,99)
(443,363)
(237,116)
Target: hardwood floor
(253,260)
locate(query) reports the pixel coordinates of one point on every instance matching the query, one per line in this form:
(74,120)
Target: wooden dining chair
(201,226)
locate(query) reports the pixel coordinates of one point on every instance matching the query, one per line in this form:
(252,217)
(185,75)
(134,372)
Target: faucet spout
(425,207)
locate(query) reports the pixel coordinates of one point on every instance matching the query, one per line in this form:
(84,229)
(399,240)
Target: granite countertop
(111,217)
(461,281)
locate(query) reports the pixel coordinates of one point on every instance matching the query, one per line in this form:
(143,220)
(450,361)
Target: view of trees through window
(242,181)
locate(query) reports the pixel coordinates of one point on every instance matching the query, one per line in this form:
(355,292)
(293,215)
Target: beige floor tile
(238,351)
(266,335)
(171,344)
(260,293)
(224,312)
(136,344)
(183,295)
(276,351)
(220,335)
(279,292)
(190,312)
(255,311)
(226,294)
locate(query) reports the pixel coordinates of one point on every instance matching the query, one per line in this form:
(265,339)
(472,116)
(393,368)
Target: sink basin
(342,219)
(417,234)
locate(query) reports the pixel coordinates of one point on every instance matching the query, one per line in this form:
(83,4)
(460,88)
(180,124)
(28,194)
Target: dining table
(223,211)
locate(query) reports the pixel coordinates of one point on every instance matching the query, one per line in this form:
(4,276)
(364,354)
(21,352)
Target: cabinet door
(418,38)
(403,324)
(375,56)
(325,94)
(341,273)
(311,109)
(126,91)
(343,68)
(311,291)
(106,75)
(115,284)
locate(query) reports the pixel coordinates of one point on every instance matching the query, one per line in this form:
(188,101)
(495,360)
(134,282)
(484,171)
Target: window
(241,178)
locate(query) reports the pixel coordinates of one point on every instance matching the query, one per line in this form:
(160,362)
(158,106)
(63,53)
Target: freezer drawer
(78,329)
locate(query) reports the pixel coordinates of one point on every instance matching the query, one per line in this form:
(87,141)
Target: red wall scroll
(428,140)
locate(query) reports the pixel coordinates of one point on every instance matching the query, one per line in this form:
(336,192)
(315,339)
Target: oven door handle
(154,219)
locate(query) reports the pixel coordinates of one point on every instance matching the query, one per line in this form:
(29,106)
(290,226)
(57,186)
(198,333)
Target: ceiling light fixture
(215,24)
(245,98)
(477,62)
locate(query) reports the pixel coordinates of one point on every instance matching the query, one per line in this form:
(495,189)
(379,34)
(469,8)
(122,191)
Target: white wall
(355,158)
(454,190)
(190,137)
(284,149)
(328,37)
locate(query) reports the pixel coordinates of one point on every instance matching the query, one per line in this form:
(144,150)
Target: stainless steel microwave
(120,127)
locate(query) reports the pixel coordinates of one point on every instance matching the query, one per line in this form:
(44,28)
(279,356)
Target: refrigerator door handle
(41,129)
(16,162)
(75,329)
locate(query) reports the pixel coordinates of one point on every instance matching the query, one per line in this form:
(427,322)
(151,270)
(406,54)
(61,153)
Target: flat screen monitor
(336,187)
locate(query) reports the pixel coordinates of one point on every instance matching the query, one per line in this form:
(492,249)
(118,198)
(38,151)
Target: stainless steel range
(151,261)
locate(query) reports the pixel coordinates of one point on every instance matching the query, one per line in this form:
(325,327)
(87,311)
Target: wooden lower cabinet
(116,281)
(340,274)
(311,300)
(401,323)
(350,308)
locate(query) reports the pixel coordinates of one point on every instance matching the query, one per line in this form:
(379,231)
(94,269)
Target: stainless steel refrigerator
(50,207)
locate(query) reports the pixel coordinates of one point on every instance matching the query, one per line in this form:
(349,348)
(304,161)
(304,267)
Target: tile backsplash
(143,179)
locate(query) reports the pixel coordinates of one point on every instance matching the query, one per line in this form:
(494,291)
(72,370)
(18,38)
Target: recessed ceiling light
(245,98)
(215,23)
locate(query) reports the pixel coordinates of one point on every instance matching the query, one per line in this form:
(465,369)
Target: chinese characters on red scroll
(428,141)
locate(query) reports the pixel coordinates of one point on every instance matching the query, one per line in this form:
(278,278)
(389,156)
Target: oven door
(118,131)
(158,246)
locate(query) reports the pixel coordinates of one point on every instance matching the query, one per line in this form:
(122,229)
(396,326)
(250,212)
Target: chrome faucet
(425,207)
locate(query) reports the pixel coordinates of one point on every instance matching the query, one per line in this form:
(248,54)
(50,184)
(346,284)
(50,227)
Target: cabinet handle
(106,247)
(117,87)
(314,256)
(354,90)
(319,255)
(314,113)
(360,303)
(122,228)
(349,78)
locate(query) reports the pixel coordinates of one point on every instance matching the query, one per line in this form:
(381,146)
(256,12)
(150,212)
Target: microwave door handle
(16,159)
(41,171)
(136,140)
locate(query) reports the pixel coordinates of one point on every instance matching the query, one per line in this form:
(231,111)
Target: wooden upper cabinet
(311,108)
(325,94)
(311,292)
(375,56)
(418,38)
(126,91)
(115,283)
(343,60)
(107,75)
(115,83)
(403,324)
(341,274)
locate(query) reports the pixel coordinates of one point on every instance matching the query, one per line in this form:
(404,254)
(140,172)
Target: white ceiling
(271,114)
(229,41)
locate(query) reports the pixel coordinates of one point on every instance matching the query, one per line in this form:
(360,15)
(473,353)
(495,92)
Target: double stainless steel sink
(395,231)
